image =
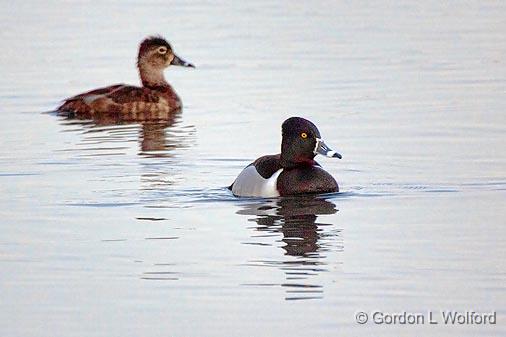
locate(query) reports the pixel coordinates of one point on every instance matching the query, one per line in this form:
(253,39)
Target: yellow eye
(162,50)
(303,135)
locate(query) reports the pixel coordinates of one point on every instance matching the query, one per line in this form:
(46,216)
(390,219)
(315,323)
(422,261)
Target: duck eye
(162,50)
(303,135)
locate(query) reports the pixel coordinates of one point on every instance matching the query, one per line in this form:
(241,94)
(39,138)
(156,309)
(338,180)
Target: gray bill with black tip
(177,61)
(323,149)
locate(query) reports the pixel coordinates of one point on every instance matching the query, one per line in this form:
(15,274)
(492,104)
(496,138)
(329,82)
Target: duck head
(156,54)
(301,143)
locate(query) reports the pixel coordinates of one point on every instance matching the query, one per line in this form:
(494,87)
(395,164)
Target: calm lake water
(128,230)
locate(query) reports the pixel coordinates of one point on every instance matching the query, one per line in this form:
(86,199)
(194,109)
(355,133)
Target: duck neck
(290,159)
(290,163)
(152,77)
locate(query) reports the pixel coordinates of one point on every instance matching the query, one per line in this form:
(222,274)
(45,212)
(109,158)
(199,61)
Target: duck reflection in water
(304,240)
(158,135)
(152,137)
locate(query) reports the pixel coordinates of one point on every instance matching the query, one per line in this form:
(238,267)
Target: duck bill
(323,149)
(177,61)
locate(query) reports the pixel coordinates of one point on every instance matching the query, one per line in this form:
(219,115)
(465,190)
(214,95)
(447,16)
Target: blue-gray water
(127,230)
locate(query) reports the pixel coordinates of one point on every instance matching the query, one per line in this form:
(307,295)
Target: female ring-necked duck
(155,95)
(294,170)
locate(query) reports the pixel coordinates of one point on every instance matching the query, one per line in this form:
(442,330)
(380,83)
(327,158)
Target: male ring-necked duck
(294,170)
(155,95)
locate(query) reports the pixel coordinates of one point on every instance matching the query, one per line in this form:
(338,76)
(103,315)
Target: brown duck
(154,99)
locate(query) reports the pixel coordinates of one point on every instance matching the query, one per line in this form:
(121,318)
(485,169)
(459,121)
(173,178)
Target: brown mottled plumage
(153,100)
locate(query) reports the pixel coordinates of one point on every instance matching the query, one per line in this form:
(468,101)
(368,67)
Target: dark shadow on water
(293,223)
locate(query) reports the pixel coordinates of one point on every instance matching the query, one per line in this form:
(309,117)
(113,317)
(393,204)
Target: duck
(155,97)
(293,171)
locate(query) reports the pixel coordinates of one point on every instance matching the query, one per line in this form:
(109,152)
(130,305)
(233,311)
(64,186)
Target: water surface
(128,230)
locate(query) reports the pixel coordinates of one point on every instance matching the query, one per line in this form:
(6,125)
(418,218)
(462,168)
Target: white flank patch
(249,183)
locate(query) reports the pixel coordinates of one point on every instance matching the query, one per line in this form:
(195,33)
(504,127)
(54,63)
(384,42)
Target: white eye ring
(162,50)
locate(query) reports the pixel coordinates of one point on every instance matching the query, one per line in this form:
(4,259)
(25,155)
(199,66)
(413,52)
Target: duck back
(130,101)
